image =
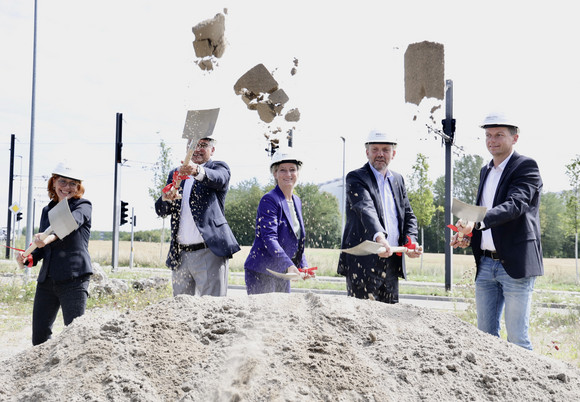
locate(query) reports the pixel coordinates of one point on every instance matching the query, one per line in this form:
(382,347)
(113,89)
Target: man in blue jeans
(506,244)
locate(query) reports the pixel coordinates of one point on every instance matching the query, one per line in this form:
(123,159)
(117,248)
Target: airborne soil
(281,347)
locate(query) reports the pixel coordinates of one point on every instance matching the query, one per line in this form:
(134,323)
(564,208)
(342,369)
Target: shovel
(62,223)
(198,124)
(307,272)
(466,213)
(368,247)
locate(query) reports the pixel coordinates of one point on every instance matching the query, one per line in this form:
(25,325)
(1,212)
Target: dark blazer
(365,217)
(67,258)
(275,243)
(207,203)
(514,220)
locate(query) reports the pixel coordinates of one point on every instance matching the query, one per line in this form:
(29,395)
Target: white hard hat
(286,155)
(65,170)
(380,137)
(497,119)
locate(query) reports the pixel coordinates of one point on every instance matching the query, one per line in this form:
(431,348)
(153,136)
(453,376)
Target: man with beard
(377,209)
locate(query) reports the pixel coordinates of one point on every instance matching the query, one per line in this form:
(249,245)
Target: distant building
(334,187)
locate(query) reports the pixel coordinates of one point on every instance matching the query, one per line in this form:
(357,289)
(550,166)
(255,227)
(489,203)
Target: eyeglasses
(203,145)
(65,183)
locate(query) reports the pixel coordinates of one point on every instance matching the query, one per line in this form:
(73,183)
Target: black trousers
(51,295)
(381,283)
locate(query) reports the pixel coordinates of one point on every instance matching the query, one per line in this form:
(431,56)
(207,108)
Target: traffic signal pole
(132,237)
(449,131)
(10,187)
(116,215)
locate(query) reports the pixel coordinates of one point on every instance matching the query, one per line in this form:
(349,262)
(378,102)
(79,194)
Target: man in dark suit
(201,239)
(506,244)
(377,209)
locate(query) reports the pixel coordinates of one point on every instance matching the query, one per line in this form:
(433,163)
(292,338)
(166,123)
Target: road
(435,302)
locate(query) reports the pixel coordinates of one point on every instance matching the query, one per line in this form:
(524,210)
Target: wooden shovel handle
(32,247)
(188,156)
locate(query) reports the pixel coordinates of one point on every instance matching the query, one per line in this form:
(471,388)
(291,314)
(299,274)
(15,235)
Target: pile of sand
(281,347)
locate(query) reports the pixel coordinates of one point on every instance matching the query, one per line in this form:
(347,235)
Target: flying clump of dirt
(260,91)
(210,42)
(425,77)
(424,72)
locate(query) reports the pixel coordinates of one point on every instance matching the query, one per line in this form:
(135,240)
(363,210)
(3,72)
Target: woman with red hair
(63,280)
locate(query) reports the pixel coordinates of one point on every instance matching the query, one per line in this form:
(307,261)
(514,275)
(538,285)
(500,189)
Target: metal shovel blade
(199,124)
(287,276)
(367,247)
(61,220)
(468,212)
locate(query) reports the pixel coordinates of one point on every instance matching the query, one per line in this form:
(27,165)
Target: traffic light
(124,213)
(18,216)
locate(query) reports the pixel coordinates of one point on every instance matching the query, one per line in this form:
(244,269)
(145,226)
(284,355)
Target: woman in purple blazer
(279,242)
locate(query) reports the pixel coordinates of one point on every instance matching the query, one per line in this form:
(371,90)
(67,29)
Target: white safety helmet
(381,137)
(286,155)
(65,170)
(498,119)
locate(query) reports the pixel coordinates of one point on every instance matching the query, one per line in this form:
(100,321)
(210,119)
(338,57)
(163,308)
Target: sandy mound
(279,347)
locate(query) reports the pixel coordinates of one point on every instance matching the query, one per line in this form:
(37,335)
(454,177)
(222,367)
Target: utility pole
(449,131)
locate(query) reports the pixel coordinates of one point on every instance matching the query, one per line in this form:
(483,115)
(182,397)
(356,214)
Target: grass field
(560,274)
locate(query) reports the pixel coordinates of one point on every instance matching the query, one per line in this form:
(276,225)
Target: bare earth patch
(298,347)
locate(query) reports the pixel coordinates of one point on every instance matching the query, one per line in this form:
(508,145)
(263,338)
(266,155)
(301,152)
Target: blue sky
(136,57)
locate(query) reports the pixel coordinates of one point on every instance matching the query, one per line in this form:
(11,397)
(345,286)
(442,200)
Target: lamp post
(30,201)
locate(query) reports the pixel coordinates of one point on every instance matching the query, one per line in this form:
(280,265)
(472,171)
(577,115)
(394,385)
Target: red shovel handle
(454,228)
(410,245)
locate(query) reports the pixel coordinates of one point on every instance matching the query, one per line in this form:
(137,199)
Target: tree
(572,204)
(551,224)
(161,170)
(434,232)
(466,177)
(241,207)
(419,192)
(322,219)
(420,195)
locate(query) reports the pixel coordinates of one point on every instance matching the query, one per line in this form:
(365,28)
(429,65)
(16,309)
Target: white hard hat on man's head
(498,119)
(285,156)
(381,137)
(65,170)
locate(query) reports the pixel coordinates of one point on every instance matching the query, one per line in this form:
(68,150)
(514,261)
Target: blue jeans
(494,289)
(51,295)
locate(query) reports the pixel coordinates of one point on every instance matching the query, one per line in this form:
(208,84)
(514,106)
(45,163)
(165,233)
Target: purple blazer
(275,245)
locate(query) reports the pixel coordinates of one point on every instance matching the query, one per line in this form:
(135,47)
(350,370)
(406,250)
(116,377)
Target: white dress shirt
(487,196)
(188,232)
(389,207)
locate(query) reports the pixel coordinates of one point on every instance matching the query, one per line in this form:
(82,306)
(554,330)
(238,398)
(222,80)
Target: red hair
(52,192)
